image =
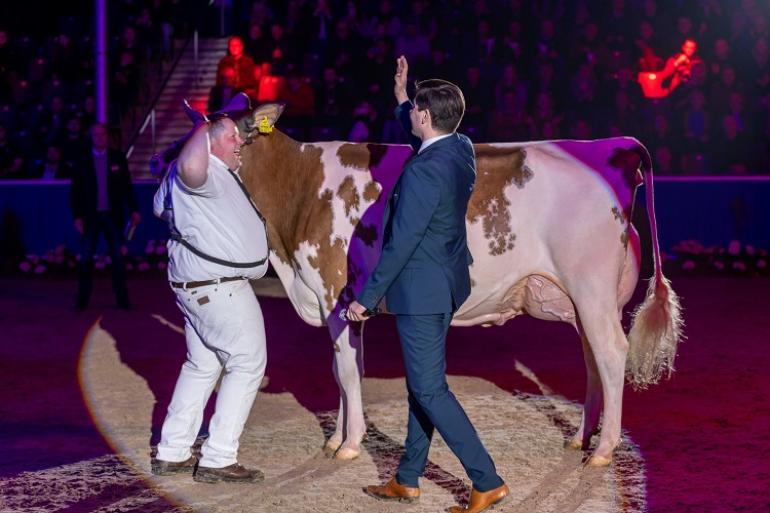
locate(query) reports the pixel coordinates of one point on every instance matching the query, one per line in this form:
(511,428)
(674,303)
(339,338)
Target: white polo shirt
(216,218)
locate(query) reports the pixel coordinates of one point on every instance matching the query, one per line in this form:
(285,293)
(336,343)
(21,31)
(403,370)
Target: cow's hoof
(598,461)
(331,446)
(573,444)
(346,453)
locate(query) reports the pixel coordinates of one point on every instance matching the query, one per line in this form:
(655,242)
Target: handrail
(150,111)
(196,64)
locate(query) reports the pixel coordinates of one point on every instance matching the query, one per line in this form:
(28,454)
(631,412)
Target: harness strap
(178,237)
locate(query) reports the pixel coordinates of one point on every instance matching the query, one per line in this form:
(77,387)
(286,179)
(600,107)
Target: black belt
(194,284)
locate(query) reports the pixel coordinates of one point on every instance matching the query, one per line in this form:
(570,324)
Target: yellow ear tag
(264,126)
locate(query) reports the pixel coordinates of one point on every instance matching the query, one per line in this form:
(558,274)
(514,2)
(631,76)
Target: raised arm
(404,105)
(193,161)
(399,86)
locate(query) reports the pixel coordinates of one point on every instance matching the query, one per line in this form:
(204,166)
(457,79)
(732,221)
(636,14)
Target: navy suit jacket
(423,268)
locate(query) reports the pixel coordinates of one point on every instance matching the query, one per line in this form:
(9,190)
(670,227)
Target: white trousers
(224,329)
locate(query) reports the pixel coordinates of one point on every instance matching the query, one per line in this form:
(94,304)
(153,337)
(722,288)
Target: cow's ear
(266,114)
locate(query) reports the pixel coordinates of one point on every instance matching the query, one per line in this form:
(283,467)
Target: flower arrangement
(688,257)
(61,260)
(737,259)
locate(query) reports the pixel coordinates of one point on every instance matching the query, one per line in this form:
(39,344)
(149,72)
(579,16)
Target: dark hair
(443,100)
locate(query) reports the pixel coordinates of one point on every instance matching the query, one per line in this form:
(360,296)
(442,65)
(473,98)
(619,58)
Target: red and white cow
(549,229)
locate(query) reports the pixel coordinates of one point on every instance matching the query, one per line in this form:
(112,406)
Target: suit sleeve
(420,195)
(402,114)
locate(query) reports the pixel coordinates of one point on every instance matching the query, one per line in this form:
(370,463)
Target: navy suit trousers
(432,405)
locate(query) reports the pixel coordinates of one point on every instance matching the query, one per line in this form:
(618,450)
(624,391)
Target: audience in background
(53,167)
(47,71)
(530,70)
(527,81)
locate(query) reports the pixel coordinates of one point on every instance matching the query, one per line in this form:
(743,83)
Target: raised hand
(399,86)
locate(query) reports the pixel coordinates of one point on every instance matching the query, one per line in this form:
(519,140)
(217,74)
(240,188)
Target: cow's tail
(657,322)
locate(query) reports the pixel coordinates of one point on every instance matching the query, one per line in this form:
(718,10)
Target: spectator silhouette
(733,153)
(257,45)
(100,197)
(241,63)
(52,166)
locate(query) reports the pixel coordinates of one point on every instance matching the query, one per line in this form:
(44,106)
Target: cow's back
(552,209)
(530,201)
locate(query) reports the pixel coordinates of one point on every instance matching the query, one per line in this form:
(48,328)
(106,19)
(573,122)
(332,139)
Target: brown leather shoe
(234,473)
(167,468)
(392,491)
(482,501)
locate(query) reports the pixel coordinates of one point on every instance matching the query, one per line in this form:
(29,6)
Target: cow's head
(259,122)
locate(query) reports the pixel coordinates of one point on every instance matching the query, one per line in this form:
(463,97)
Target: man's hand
(399,87)
(356,312)
(79,226)
(136,218)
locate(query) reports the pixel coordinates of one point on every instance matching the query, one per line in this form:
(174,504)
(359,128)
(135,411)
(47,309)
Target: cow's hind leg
(345,443)
(592,408)
(606,340)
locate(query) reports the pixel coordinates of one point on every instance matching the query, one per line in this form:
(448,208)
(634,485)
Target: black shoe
(234,473)
(123,305)
(168,468)
(80,306)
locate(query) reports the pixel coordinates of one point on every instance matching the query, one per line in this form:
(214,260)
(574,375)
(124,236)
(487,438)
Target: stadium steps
(170,119)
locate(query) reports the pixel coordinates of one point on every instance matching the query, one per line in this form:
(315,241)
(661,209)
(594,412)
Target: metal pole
(195,57)
(101,60)
(152,128)
(221,18)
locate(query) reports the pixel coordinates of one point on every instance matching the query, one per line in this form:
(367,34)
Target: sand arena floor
(80,441)
(525,433)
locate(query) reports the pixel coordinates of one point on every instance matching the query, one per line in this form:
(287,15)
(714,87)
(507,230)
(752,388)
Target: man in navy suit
(423,274)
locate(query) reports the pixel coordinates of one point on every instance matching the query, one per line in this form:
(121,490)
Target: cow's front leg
(349,370)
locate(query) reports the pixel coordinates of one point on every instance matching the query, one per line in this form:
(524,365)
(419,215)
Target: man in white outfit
(218,243)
